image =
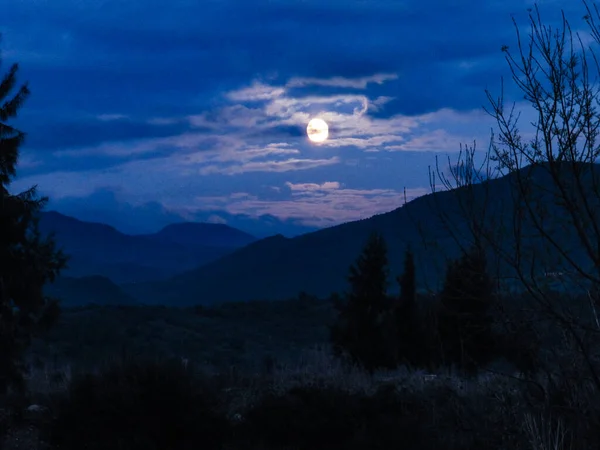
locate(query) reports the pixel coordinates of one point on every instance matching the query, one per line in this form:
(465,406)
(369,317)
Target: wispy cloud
(243,138)
(111,117)
(163,120)
(317,205)
(342,82)
(207,97)
(270,166)
(303,187)
(256,92)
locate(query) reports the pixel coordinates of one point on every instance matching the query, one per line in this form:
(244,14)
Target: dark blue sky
(145,112)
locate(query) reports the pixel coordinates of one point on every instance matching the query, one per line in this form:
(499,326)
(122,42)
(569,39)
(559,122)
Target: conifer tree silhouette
(465,324)
(27,259)
(410,348)
(365,326)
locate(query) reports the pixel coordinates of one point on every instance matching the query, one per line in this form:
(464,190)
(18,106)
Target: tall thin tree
(27,259)
(405,313)
(465,323)
(365,326)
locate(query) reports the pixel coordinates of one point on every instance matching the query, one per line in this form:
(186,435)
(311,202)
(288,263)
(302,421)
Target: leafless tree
(544,217)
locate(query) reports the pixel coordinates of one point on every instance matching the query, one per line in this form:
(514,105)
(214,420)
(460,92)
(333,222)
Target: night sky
(146,112)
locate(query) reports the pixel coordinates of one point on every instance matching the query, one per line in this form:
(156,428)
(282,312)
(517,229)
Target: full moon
(317,130)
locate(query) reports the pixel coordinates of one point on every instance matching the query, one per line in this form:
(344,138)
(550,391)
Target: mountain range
(101,257)
(99,249)
(196,264)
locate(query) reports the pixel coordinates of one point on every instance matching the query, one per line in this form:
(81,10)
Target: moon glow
(317,130)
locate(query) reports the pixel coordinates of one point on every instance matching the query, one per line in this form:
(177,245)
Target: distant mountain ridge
(317,263)
(100,249)
(155,270)
(87,290)
(208,234)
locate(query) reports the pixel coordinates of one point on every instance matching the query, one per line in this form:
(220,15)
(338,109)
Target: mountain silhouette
(204,234)
(87,290)
(318,262)
(99,249)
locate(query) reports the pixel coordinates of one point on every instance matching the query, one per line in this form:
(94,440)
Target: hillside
(87,290)
(278,267)
(203,234)
(99,249)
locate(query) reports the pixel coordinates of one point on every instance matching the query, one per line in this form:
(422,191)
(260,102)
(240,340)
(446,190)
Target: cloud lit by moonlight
(317,130)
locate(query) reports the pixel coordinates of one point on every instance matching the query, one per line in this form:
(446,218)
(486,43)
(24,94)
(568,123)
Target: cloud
(270,166)
(342,82)
(204,99)
(163,121)
(317,205)
(241,135)
(303,187)
(111,117)
(436,140)
(214,218)
(231,116)
(108,206)
(79,134)
(256,92)
(178,59)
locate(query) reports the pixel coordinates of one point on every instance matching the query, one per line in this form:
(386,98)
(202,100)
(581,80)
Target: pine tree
(365,325)
(465,324)
(27,259)
(409,342)
(408,280)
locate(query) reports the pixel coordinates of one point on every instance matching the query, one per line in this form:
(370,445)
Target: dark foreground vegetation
(474,365)
(282,389)
(157,405)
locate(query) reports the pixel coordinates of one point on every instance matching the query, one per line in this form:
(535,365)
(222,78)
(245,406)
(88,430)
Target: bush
(138,405)
(315,418)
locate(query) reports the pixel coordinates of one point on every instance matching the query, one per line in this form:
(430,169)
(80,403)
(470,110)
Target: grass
(317,402)
(281,390)
(546,434)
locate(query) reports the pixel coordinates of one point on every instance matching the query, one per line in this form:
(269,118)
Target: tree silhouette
(465,323)
(550,221)
(410,348)
(407,281)
(27,259)
(365,327)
